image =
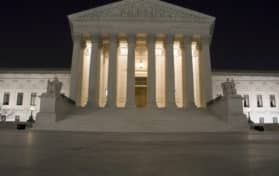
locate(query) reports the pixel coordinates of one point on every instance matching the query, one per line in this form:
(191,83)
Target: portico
(140,70)
(141,66)
(146,53)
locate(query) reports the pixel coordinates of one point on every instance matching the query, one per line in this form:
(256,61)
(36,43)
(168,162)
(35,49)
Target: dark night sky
(36,33)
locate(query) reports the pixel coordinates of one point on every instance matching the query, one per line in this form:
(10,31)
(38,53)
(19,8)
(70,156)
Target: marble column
(131,71)
(80,75)
(188,81)
(112,83)
(206,72)
(170,81)
(74,68)
(151,79)
(94,76)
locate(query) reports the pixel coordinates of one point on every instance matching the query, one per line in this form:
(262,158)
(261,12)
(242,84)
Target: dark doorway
(141,92)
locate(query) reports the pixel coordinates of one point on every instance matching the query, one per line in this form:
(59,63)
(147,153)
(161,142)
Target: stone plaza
(111,154)
(140,98)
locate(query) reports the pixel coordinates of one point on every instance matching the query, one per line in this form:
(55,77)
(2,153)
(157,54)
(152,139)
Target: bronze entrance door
(141,92)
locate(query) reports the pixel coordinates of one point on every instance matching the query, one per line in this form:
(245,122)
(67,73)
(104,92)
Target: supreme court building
(137,53)
(137,66)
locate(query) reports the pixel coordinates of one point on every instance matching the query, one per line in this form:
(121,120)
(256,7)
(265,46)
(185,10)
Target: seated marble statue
(229,88)
(54,87)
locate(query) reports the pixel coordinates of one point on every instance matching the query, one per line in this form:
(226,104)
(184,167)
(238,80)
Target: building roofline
(246,72)
(36,70)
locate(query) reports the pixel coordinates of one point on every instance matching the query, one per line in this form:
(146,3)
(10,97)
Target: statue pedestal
(54,106)
(53,109)
(47,115)
(229,109)
(236,117)
(48,103)
(234,105)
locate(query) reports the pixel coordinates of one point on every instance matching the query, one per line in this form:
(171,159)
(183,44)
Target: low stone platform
(141,120)
(14,125)
(8,125)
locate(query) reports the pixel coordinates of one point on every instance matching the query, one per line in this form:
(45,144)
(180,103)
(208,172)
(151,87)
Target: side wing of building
(20,92)
(260,92)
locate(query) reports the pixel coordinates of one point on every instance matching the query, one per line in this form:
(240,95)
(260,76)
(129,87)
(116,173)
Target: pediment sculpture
(229,88)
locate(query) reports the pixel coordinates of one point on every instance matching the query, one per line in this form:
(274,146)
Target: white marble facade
(132,54)
(260,92)
(252,84)
(173,41)
(28,83)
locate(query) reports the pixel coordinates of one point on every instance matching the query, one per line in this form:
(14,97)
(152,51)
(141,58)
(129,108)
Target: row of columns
(188,84)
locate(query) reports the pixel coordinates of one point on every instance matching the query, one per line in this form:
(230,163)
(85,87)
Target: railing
(68,99)
(214,100)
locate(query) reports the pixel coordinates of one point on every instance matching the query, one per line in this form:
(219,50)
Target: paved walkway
(27,153)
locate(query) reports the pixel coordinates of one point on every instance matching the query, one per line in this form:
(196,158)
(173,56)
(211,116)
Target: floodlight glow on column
(122,64)
(196,73)
(177,53)
(123,48)
(85,73)
(160,74)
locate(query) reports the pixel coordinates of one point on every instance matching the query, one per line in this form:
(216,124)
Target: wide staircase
(141,120)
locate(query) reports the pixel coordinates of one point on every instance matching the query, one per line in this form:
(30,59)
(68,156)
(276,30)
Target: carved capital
(82,44)
(76,37)
(151,38)
(205,40)
(187,39)
(95,38)
(169,40)
(113,41)
(113,38)
(132,38)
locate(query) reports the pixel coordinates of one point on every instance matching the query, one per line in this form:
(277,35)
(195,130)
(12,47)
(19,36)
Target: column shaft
(151,80)
(170,81)
(74,68)
(206,72)
(131,71)
(79,76)
(188,84)
(94,76)
(112,83)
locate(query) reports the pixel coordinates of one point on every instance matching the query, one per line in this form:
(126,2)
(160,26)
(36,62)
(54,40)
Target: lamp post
(31,119)
(249,117)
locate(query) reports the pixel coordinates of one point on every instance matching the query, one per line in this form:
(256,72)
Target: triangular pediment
(138,10)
